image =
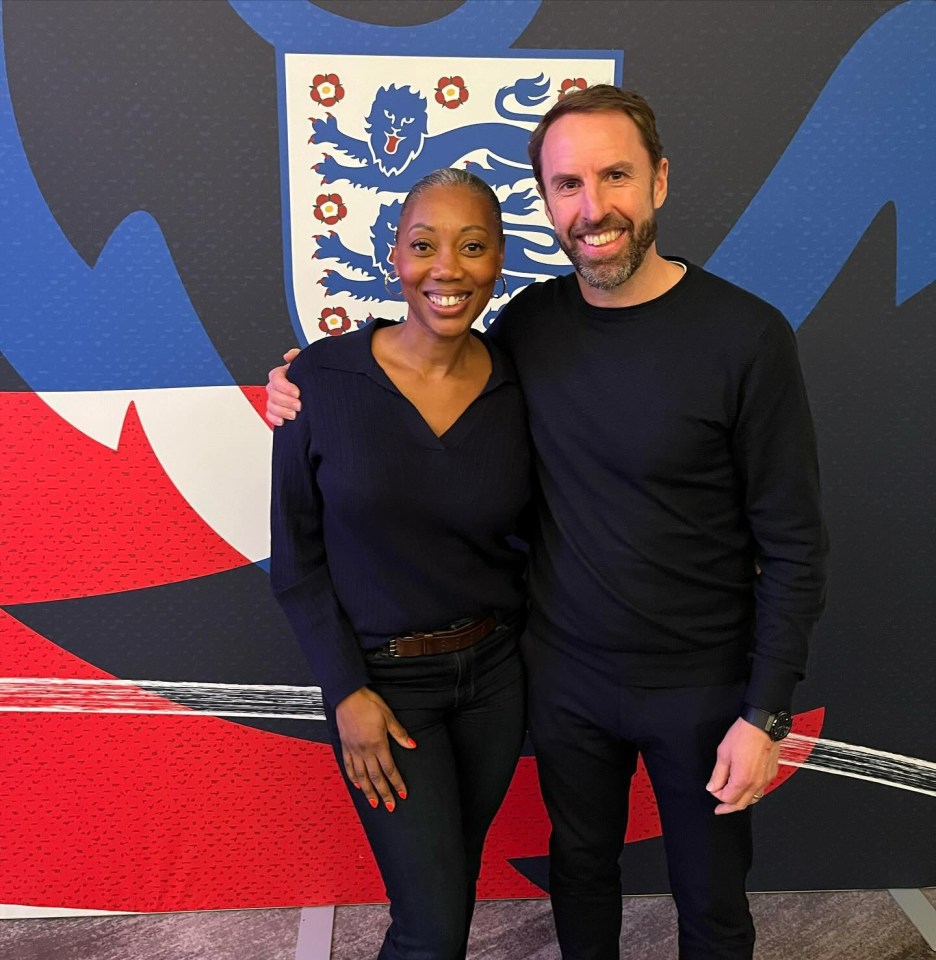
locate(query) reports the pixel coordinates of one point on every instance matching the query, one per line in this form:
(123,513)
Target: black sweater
(379,527)
(674,447)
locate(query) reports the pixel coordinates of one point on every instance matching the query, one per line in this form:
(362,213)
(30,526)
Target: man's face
(601,195)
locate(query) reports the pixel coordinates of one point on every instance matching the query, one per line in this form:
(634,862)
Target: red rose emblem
(571,85)
(329,208)
(451,92)
(326,89)
(334,321)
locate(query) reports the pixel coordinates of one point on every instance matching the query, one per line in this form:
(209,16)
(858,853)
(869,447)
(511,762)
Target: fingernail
(355,784)
(373,801)
(411,741)
(391,806)
(401,794)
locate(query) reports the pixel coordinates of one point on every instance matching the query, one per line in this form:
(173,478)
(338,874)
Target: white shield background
(360,78)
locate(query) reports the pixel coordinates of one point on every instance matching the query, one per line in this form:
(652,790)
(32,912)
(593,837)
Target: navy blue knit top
(674,447)
(378,526)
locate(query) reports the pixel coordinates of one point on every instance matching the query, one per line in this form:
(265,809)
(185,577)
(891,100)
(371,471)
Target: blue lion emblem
(376,265)
(399,151)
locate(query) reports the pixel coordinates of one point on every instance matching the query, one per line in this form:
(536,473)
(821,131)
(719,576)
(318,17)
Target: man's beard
(611,272)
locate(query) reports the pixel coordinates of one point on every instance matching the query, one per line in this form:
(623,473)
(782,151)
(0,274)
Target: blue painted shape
(477,25)
(125,323)
(869,140)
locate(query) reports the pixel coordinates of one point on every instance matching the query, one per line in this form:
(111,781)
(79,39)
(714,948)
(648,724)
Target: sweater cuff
(334,691)
(771,688)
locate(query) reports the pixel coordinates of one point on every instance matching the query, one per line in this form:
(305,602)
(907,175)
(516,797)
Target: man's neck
(651,280)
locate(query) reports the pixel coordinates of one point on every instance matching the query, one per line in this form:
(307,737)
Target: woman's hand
(282,395)
(364,724)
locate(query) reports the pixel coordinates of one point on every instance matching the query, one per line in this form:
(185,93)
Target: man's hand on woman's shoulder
(282,396)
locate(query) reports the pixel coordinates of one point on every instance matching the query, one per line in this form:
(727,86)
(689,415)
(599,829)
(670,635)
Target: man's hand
(364,723)
(747,762)
(282,396)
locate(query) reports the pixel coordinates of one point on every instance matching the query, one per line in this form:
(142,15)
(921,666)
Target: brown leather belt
(441,641)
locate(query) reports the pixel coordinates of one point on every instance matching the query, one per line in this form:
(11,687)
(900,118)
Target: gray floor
(858,925)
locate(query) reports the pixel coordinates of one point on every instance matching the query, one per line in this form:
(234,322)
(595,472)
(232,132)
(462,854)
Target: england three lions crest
(360,131)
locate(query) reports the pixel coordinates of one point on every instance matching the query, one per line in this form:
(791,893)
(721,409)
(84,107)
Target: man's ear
(660,183)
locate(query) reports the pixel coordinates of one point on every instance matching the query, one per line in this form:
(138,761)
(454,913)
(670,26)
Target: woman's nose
(445,263)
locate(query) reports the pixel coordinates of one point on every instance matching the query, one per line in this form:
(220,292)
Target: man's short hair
(601,98)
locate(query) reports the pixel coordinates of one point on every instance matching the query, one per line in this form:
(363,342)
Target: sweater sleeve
(775,448)
(299,572)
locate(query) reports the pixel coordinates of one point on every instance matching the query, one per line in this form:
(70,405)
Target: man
(677,565)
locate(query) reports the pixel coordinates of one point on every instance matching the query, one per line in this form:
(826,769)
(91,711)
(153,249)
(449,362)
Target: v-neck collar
(352,352)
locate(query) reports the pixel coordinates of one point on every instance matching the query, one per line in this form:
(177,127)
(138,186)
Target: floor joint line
(920,912)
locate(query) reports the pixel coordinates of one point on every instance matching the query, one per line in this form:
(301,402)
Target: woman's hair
(455,177)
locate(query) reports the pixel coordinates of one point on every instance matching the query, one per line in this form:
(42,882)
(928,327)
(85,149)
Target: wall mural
(189,189)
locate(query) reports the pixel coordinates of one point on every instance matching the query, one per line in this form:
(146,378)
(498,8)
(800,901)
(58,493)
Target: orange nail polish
(391,806)
(402,794)
(373,801)
(411,742)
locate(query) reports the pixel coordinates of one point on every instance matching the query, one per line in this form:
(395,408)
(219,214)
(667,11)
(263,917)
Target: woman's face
(448,254)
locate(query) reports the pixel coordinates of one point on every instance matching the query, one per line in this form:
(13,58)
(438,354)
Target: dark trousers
(587,730)
(466,712)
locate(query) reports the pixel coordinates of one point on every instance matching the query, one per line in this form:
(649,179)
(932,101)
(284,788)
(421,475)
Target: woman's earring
(503,292)
(387,280)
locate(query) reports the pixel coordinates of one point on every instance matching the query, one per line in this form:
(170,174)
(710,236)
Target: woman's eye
(420,246)
(474,247)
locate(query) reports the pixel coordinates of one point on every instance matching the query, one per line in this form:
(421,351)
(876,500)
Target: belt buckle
(415,635)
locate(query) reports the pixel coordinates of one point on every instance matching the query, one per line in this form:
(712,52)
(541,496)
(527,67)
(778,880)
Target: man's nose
(594,204)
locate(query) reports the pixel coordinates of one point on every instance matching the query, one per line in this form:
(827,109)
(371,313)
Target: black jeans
(587,729)
(466,712)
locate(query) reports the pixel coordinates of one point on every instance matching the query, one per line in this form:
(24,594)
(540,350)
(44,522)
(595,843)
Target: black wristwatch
(775,725)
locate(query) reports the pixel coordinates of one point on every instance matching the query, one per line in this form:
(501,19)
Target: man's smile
(600,239)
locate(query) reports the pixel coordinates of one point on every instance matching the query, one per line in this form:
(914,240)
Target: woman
(394,495)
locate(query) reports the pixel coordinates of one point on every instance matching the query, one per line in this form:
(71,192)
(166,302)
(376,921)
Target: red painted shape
(167,813)
(258,398)
(81,519)
(807,724)
(520,829)
(643,818)
(161,813)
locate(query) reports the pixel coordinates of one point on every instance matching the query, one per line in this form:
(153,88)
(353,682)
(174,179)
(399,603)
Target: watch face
(781,726)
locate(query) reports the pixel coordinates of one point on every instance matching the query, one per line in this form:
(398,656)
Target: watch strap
(776,725)
(762,719)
